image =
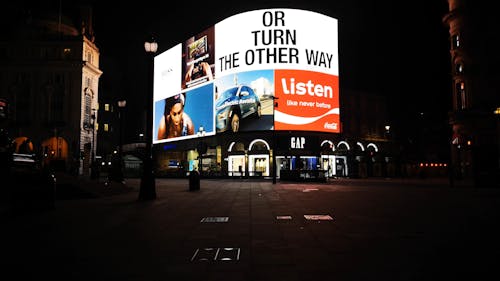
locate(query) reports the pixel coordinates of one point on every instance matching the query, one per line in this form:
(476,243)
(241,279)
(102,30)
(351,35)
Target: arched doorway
(23,145)
(258,158)
(236,165)
(55,152)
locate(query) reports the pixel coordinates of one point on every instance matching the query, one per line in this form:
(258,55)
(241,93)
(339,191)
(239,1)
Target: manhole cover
(318,217)
(228,254)
(216,254)
(204,254)
(215,219)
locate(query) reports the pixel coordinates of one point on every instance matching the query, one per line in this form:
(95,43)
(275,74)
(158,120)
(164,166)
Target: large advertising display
(270,69)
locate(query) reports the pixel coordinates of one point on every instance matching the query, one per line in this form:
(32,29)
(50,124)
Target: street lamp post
(119,170)
(93,165)
(275,143)
(147,189)
(92,124)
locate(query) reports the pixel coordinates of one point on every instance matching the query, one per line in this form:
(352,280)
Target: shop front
(249,158)
(299,156)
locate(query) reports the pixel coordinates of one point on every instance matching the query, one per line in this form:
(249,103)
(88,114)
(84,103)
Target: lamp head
(151,46)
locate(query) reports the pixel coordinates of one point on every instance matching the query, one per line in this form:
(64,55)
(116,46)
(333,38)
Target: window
(456,41)
(3,109)
(89,57)
(23,100)
(459,68)
(66,53)
(106,127)
(461,95)
(87,109)
(57,103)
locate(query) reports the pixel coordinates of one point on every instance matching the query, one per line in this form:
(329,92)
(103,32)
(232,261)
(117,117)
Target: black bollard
(194,180)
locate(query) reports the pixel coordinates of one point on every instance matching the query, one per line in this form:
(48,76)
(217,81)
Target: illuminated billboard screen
(260,70)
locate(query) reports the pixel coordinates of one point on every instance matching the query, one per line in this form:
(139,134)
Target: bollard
(194,180)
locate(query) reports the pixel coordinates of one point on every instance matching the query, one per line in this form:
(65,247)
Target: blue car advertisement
(244,101)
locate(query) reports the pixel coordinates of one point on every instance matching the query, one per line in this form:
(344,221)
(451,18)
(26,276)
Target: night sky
(397,49)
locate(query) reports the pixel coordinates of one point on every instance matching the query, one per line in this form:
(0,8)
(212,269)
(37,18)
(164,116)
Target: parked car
(235,104)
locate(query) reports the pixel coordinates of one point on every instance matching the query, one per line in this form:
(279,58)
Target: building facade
(364,148)
(475,114)
(265,103)
(49,77)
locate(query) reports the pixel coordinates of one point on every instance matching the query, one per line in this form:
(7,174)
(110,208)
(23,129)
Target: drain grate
(204,254)
(318,217)
(215,219)
(228,254)
(216,254)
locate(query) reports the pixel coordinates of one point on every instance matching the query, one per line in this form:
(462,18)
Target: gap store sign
(270,69)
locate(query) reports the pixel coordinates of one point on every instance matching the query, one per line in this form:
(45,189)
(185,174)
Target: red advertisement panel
(306,100)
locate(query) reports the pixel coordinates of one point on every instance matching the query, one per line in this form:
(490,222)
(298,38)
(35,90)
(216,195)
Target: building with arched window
(265,102)
(474,119)
(49,76)
(366,151)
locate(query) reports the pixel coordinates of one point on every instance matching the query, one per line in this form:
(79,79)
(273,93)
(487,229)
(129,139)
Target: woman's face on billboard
(176,113)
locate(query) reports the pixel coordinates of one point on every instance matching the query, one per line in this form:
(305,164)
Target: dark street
(345,229)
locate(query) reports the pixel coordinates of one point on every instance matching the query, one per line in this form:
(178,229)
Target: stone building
(49,77)
(474,119)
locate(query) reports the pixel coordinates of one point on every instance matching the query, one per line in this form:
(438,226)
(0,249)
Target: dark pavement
(385,229)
